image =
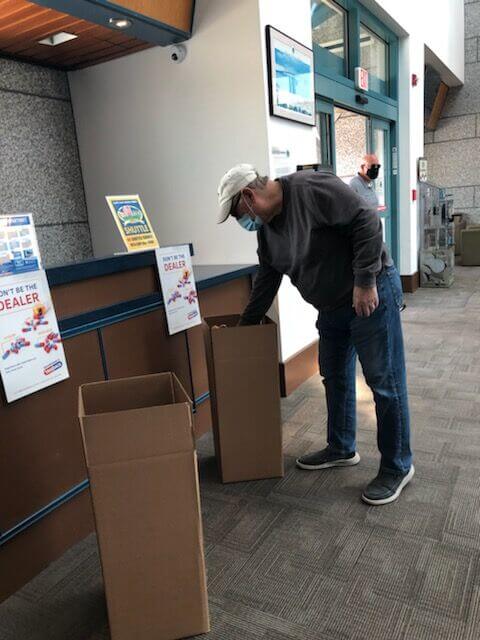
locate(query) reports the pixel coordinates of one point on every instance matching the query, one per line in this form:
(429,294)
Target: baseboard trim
(411,283)
(298,368)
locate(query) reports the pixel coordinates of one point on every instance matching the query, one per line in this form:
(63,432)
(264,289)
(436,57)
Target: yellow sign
(132,222)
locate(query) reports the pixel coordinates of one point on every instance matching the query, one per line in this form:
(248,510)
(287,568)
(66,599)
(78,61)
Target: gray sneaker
(386,487)
(325,459)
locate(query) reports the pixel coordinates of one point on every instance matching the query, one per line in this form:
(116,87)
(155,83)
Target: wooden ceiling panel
(62,53)
(31,31)
(138,47)
(178,14)
(39,51)
(23,24)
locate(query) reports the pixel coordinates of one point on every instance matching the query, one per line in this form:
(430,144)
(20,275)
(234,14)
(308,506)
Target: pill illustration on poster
(15,347)
(174,297)
(185,279)
(37,319)
(191,298)
(50,342)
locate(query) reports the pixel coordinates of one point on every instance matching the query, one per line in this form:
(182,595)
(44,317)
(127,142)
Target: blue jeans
(378,342)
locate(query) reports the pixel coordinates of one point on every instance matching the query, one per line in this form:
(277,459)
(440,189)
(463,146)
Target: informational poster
(178,288)
(132,222)
(31,350)
(19,251)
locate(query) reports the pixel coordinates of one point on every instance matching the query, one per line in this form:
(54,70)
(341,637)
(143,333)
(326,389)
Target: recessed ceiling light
(119,23)
(58,38)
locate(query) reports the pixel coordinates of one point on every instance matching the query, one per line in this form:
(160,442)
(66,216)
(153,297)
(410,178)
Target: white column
(411,124)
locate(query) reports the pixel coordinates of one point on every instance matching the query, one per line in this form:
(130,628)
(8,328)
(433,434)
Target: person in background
(363,182)
(363,185)
(314,228)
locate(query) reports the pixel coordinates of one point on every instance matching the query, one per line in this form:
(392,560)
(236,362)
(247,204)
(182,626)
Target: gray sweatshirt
(326,239)
(366,190)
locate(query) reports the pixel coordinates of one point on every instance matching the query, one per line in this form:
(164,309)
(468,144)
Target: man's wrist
(365,281)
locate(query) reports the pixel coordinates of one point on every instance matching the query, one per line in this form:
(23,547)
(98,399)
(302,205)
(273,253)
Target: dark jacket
(326,239)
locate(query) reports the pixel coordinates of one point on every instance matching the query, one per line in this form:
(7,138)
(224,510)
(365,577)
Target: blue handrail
(32,519)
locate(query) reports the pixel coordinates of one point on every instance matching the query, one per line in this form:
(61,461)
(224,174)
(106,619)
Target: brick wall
(453,150)
(39,163)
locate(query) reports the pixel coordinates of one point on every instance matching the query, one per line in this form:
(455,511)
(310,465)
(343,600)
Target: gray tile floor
(302,557)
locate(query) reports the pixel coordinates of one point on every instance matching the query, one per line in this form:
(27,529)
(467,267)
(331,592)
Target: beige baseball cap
(236,179)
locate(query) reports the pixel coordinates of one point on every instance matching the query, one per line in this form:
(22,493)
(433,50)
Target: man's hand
(365,301)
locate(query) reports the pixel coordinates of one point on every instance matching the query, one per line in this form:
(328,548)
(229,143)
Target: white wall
(296,317)
(439,24)
(411,138)
(169,131)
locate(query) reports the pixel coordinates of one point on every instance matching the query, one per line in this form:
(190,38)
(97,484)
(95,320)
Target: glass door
(344,137)
(380,146)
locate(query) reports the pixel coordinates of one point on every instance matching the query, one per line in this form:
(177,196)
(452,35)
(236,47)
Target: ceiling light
(58,38)
(119,23)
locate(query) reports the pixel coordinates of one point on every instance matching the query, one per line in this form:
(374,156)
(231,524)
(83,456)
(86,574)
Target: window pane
(319,136)
(350,142)
(324,141)
(328,25)
(373,54)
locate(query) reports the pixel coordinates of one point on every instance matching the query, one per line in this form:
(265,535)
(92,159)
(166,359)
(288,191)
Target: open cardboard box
(139,447)
(244,386)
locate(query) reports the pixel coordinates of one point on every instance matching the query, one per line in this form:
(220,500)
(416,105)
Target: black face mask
(372,173)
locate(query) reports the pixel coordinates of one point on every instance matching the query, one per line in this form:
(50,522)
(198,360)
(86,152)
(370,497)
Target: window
(351,135)
(329,33)
(373,58)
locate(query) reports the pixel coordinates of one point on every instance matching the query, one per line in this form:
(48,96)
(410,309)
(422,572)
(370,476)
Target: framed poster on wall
(290,77)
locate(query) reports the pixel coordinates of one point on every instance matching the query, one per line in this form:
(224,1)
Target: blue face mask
(250,225)
(247,223)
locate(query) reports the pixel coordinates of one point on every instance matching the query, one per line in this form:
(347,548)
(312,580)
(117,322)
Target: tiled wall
(39,163)
(453,150)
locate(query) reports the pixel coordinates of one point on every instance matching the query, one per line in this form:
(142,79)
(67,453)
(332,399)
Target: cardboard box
(138,440)
(245,398)
(471,246)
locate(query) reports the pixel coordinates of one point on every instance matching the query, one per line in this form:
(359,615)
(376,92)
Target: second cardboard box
(245,398)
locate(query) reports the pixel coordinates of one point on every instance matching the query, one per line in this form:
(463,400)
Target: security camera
(177,53)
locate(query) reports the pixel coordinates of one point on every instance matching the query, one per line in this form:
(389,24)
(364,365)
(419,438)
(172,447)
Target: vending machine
(437,251)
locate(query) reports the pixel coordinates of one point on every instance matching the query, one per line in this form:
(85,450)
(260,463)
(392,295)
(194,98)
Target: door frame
(339,90)
(327,106)
(377,124)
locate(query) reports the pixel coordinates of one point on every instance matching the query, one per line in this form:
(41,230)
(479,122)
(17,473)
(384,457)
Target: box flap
(254,342)
(135,418)
(231,321)
(137,434)
(123,394)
